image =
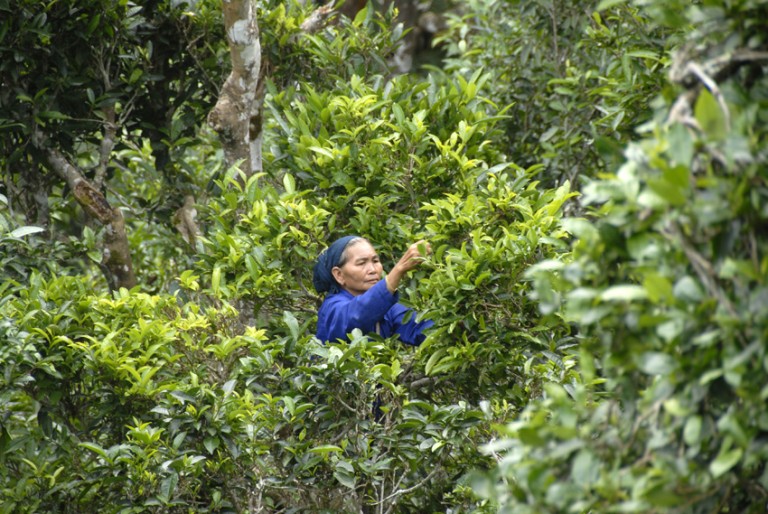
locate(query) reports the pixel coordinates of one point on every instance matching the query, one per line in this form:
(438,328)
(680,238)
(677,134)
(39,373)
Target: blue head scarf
(322,276)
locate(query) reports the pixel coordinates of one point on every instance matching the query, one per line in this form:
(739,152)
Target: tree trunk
(238,112)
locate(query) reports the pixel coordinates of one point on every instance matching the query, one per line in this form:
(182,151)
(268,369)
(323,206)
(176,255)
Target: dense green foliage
(592,182)
(577,80)
(667,288)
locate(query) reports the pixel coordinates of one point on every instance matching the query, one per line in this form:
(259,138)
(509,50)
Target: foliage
(578,80)
(170,405)
(217,398)
(609,362)
(667,287)
(130,80)
(339,50)
(66,64)
(254,255)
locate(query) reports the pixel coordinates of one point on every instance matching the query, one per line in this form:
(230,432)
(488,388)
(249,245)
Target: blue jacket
(342,312)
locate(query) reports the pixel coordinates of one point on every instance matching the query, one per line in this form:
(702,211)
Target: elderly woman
(350,271)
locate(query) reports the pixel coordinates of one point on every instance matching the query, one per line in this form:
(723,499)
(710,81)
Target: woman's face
(361,270)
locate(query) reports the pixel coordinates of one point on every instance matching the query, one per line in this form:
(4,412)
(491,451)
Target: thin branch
(701,266)
(753,250)
(382,499)
(713,88)
(681,111)
(347,406)
(420,382)
(185,221)
(708,73)
(105,149)
(317,20)
(721,66)
(116,261)
(401,492)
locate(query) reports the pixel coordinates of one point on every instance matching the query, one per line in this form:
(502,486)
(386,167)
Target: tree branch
(713,88)
(317,20)
(709,73)
(400,492)
(185,221)
(105,150)
(116,261)
(701,266)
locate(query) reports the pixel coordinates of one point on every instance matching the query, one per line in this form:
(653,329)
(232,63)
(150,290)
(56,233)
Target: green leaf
(228,387)
(692,430)
(168,486)
(644,54)
(399,115)
(658,287)
(326,449)
(345,474)
(624,293)
(5,440)
(678,176)
(289,183)
(607,4)
(667,191)
(292,323)
(216,279)
(322,151)
(211,443)
(710,116)
(583,470)
(656,363)
(93,24)
(96,449)
(433,359)
(687,289)
(681,146)
(725,460)
(25,231)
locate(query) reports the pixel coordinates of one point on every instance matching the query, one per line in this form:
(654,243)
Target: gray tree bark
(237,115)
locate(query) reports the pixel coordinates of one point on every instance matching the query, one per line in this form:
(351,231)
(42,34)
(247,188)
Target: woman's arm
(342,312)
(411,332)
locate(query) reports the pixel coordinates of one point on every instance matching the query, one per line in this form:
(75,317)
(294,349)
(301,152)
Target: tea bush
(667,288)
(610,360)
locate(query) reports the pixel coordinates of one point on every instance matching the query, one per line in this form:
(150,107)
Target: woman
(350,272)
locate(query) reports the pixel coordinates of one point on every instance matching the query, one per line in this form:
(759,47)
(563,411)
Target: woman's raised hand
(413,256)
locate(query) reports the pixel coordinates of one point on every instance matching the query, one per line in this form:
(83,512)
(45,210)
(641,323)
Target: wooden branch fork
(116,263)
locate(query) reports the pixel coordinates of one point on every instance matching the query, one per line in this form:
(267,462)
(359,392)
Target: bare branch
(116,261)
(701,266)
(319,18)
(400,492)
(684,70)
(105,150)
(713,88)
(184,219)
(681,111)
(418,383)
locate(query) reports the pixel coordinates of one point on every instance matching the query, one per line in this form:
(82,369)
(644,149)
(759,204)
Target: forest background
(592,177)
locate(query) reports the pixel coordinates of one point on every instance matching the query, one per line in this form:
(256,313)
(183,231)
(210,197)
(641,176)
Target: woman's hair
(345,253)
